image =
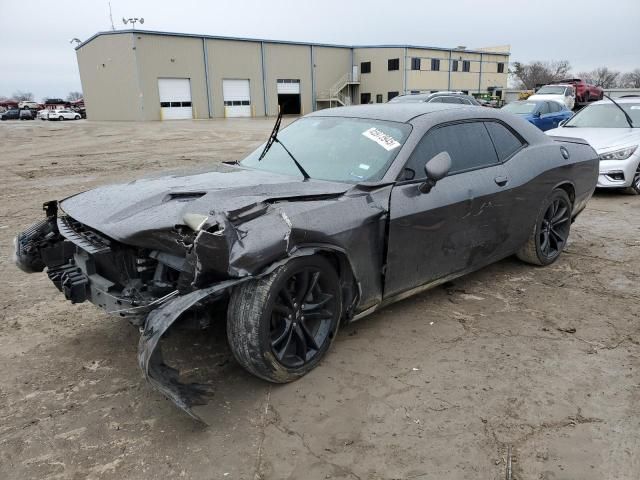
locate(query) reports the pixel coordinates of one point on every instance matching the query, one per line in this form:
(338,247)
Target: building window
(394,64)
(454,66)
(391,95)
(365,67)
(500,67)
(435,64)
(379,98)
(365,98)
(466,66)
(236,103)
(415,64)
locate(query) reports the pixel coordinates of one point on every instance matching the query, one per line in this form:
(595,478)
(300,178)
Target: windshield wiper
(273,138)
(626,115)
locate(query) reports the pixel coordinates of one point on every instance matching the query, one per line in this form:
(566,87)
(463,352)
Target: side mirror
(436,169)
(537,114)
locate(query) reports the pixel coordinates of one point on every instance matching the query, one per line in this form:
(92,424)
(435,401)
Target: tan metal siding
(170,57)
(380,80)
(287,61)
(108,75)
(234,60)
(331,64)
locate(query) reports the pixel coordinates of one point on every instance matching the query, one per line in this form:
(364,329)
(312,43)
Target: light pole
(133,21)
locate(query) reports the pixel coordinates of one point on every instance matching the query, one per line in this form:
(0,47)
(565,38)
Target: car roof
(618,100)
(393,112)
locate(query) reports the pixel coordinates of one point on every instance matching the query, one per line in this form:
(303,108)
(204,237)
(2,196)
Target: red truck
(585,92)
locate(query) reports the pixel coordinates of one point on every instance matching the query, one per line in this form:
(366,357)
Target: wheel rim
(554,229)
(302,318)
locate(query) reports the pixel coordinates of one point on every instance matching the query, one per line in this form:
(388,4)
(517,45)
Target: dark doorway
(289,103)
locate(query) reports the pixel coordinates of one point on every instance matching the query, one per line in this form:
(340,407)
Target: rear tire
(550,231)
(61,118)
(280,326)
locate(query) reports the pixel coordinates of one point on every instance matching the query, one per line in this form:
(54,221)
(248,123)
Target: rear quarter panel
(540,168)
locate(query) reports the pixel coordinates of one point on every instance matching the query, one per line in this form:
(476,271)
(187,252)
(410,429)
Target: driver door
(461,224)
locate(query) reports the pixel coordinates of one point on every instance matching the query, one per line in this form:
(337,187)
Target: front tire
(634,188)
(280,326)
(61,118)
(550,232)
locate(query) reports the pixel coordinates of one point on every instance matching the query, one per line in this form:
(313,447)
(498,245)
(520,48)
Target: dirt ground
(542,361)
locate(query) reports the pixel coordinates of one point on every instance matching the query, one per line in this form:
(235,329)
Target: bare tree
(73,96)
(630,79)
(602,77)
(534,74)
(21,96)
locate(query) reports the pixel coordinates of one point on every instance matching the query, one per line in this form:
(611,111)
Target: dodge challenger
(341,213)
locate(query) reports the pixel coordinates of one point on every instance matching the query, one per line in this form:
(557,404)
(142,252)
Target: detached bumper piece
(71,281)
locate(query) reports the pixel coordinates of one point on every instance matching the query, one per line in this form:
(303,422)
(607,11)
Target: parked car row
(28,114)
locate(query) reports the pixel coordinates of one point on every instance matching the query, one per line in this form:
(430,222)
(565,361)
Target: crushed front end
(86,265)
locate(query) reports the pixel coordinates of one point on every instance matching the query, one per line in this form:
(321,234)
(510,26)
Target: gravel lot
(544,361)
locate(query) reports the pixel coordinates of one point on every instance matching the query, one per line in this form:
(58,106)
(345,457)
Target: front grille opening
(616,176)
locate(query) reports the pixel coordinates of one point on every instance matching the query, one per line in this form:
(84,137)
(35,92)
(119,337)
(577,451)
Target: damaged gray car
(344,211)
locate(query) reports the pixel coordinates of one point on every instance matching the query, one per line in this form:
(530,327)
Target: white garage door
(237,98)
(175,98)
(289,86)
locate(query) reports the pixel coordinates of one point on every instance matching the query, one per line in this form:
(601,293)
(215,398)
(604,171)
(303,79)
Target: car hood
(124,212)
(601,139)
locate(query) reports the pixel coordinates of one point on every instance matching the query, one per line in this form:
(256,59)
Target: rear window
(505,141)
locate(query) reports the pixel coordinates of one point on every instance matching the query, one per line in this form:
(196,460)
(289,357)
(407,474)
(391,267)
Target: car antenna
(626,115)
(274,138)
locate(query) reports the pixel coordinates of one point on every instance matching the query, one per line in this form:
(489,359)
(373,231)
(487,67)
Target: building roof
(286,42)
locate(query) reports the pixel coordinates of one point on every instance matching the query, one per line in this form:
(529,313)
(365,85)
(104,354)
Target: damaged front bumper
(87,266)
(73,260)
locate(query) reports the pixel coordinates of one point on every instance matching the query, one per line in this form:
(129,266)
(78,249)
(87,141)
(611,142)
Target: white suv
(559,93)
(63,115)
(28,104)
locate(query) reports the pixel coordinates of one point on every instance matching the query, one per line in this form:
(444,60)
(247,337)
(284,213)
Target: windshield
(520,108)
(606,115)
(550,90)
(334,148)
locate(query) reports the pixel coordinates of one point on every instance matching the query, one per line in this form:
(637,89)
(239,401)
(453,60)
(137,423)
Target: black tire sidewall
(555,195)
(282,275)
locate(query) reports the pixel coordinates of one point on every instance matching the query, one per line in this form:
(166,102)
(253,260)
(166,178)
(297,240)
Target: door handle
(501,181)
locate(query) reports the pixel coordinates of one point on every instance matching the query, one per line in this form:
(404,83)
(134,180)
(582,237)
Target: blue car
(544,114)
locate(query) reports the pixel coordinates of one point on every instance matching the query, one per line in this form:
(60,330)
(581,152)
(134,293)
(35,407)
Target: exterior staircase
(340,93)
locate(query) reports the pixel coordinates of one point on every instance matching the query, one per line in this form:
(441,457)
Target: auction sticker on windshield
(385,141)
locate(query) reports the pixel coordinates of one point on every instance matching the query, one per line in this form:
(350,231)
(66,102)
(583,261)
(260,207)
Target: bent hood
(125,211)
(601,139)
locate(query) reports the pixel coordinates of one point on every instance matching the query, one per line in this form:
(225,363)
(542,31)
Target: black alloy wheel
(550,231)
(280,326)
(301,317)
(554,230)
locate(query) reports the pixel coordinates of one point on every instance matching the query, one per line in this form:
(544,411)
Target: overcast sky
(35,54)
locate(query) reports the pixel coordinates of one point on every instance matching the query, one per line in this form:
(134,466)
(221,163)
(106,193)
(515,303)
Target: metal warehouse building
(146,75)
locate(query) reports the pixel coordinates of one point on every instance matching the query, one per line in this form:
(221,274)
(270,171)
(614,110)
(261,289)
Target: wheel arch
(570,188)
(338,257)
